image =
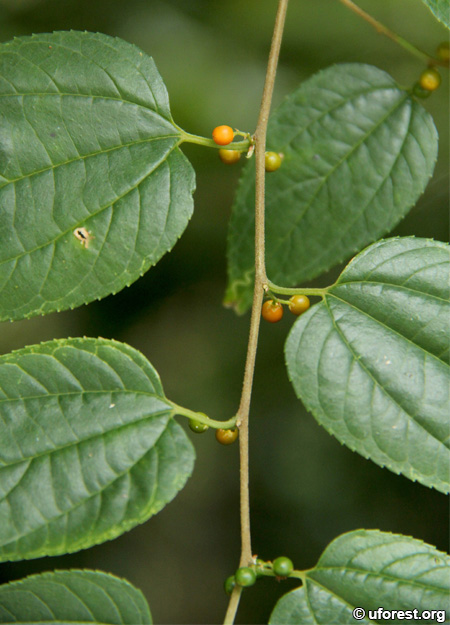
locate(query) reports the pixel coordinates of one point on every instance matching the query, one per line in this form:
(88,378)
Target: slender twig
(258,294)
(384,30)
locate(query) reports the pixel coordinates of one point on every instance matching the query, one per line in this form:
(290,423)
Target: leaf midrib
(384,325)
(116,428)
(83,157)
(344,159)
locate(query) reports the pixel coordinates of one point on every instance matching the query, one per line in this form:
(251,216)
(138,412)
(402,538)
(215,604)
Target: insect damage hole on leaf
(84,236)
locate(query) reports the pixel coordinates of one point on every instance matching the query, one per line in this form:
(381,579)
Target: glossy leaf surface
(368,569)
(87,142)
(88,448)
(371,360)
(358,152)
(73,597)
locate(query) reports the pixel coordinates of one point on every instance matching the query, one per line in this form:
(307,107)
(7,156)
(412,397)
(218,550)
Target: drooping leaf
(73,597)
(368,569)
(88,446)
(87,142)
(371,360)
(358,152)
(441,10)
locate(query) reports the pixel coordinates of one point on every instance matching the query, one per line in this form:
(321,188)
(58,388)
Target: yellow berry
(226,437)
(430,79)
(298,304)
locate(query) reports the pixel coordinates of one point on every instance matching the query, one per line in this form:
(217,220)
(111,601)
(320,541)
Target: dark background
(306,488)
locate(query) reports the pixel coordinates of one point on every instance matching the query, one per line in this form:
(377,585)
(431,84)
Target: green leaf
(369,569)
(86,141)
(441,10)
(73,597)
(358,153)
(88,446)
(371,360)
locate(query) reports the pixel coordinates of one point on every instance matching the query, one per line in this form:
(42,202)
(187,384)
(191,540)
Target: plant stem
(258,294)
(384,30)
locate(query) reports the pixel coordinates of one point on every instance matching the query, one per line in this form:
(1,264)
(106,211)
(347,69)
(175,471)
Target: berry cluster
(272,310)
(224,437)
(245,576)
(224,135)
(430,79)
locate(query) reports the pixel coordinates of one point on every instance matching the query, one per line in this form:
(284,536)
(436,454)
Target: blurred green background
(306,488)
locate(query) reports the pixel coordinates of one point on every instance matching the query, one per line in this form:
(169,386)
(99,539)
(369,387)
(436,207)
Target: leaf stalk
(384,30)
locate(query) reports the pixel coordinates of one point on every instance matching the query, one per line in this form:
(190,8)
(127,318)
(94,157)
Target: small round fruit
(282,567)
(229,157)
(245,576)
(272,161)
(298,304)
(430,79)
(223,135)
(197,427)
(443,51)
(272,311)
(229,584)
(227,437)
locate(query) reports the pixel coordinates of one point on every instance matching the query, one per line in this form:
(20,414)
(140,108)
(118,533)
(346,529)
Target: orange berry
(272,311)
(223,135)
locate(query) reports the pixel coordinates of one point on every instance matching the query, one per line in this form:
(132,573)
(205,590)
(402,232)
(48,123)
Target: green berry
(197,427)
(420,92)
(282,567)
(245,576)
(272,161)
(229,585)
(229,157)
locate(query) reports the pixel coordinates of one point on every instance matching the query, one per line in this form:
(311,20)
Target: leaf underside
(371,361)
(358,152)
(87,142)
(88,448)
(369,569)
(73,597)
